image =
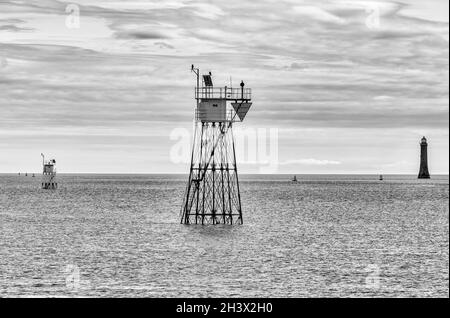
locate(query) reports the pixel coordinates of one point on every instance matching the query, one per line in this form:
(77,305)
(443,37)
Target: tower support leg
(212,194)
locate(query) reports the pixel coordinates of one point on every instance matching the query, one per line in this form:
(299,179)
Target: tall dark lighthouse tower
(423,172)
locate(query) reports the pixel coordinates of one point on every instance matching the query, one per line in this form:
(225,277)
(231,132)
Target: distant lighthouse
(48,173)
(423,172)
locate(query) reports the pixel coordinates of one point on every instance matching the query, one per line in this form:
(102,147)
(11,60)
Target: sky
(338,86)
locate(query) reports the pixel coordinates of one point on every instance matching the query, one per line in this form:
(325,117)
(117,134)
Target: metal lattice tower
(48,173)
(212,194)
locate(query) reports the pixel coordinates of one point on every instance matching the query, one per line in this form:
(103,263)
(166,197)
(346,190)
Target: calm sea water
(119,235)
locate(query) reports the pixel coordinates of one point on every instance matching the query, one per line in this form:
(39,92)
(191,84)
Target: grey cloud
(12,25)
(33,6)
(3,62)
(351,117)
(164,45)
(12,21)
(13,28)
(141,35)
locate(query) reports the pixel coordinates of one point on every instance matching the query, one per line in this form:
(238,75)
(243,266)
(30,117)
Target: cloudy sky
(351,86)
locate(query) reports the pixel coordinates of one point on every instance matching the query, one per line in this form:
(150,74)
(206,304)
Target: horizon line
(181,173)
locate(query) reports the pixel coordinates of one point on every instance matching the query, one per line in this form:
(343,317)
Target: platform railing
(223,93)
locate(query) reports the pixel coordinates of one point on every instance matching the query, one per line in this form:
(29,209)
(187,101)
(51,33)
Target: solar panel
(207,79)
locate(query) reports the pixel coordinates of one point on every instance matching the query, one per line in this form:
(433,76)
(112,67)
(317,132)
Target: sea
(103,235)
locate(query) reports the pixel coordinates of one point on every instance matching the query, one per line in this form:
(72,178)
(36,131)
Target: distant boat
(33,175)
(294,179)
(26,174)
(381,177)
